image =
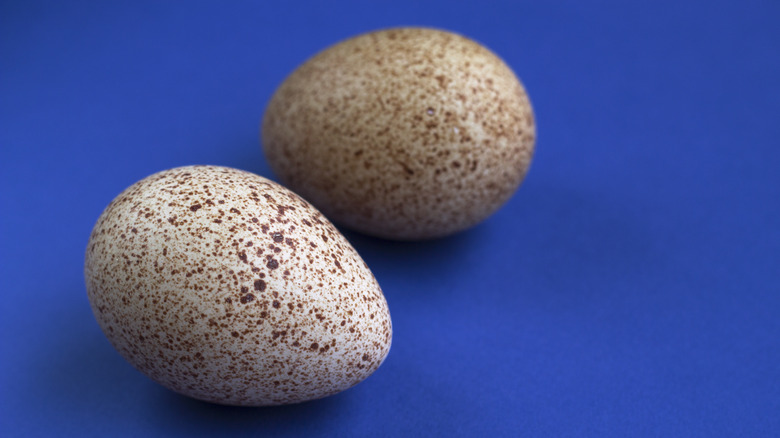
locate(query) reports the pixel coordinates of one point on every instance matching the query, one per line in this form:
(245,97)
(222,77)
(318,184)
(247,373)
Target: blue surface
(630,288)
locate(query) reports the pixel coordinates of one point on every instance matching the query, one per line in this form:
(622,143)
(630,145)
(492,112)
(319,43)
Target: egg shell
(406,133)
(226,287)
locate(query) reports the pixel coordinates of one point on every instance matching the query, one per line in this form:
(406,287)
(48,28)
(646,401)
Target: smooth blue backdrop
(630,288)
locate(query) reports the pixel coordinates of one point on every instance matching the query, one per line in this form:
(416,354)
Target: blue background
(631,287)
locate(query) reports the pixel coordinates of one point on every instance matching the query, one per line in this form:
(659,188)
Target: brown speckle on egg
(405,133)
(200,306)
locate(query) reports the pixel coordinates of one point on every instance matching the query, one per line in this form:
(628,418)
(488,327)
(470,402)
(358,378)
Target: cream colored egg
(226,287)
(406,133)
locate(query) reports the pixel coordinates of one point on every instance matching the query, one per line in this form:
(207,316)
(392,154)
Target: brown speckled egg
(407,133)
(226,287)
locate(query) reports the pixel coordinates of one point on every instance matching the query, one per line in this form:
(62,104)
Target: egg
(226,287)
(407,133)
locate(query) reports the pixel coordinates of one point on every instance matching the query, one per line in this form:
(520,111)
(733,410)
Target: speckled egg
(229,288)
(406,133)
